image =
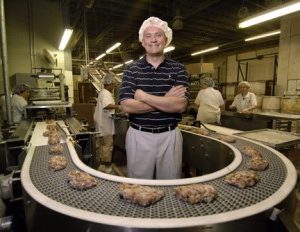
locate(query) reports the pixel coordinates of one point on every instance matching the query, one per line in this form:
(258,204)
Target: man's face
(25,94)
(154,40)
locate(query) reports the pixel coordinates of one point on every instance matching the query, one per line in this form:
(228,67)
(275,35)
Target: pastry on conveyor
(47,133)
(199,131)
(141,195)
(226,138)
(53,138)
(56,149)
(258,164)
(250,151)
(57,162)
(196,193)
(81,180)
(50,121)
(51,127)
(242,179)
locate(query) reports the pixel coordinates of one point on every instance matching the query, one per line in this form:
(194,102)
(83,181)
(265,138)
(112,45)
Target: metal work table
(254,121)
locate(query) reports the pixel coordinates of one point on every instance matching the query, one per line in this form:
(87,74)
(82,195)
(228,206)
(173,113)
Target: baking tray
(273,138)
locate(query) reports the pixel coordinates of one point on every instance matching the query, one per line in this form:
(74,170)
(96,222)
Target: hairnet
(108,79)
(21,88)
(244,83)
(156,22)
(207,81)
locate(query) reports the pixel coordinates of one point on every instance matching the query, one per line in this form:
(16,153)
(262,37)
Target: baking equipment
(100,209)
(273,138)
(14,147)
(258,87)
(271,104)
(259,99)
(43,110)
(244,121)
(290,105)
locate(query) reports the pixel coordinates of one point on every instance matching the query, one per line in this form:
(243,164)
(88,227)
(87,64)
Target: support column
(289,52)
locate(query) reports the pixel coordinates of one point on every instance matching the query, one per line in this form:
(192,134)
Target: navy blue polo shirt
(142,75)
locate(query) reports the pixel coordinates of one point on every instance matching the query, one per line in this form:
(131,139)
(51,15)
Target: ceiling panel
(206,23)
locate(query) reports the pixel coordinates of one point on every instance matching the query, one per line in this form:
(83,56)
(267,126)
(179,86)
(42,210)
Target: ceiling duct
(49,57)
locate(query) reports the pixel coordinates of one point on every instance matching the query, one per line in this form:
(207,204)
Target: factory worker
(245,101)
(104,123)
(19,101)
(209,101)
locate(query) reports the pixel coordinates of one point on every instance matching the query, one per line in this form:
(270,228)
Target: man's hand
(176,91)
(139,95)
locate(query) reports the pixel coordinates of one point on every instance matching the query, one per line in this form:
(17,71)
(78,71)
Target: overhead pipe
(5,65)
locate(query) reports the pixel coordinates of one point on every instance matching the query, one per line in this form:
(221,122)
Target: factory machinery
(13,152)
(52,205)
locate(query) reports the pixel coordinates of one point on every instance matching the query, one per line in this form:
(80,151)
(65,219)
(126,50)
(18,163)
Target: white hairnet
(244,83)
(156,22)
(108,79)
(21,88)
(207,81)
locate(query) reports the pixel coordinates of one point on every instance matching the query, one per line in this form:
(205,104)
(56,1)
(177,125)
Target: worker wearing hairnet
(245,101)
(105,124)
(154,93)
(209,101)
(19,101)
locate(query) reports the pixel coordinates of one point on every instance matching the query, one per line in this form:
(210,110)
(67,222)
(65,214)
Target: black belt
(154,130)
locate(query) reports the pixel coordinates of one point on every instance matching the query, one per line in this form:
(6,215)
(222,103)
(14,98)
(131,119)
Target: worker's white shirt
(245,102)
(18,104)
(209,101)
(102,117)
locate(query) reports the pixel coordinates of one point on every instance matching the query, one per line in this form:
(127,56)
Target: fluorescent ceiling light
(128,62)
(168,49)
(205,51)
(263,35)
(117,66)
(276,12)
(113,47)
(100,56)
(65,39)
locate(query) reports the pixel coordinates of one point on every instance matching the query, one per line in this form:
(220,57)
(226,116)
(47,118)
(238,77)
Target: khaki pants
(104,147)
(147,152)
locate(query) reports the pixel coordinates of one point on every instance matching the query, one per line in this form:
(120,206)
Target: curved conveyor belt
(102,204)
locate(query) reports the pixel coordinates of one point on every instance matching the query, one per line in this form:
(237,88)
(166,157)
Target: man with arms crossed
(154,93)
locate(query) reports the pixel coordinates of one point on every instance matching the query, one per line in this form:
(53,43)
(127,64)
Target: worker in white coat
(209,101)
(104,123)
(19,101)
(245,101)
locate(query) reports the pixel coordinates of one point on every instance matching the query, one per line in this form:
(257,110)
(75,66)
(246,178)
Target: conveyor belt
(102,204)
(104,198)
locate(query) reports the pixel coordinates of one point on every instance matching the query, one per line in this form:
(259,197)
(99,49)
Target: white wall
(32,26)
(258,69)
